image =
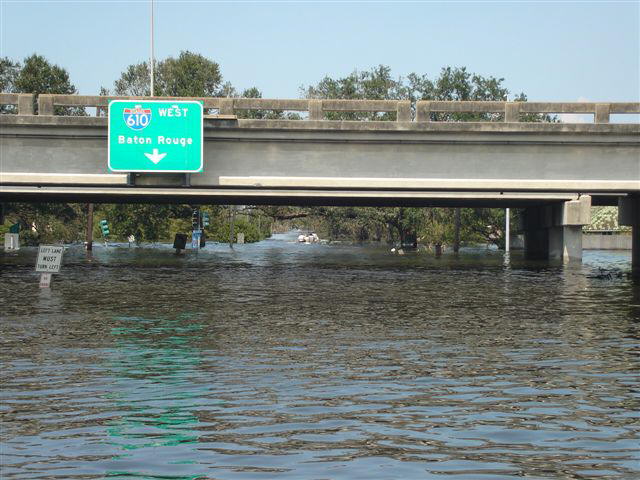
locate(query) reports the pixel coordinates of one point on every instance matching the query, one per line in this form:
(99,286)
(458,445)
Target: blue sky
(556,51)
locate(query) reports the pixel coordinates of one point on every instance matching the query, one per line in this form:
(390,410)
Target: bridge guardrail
(513,110)
(24,101)
(316,108)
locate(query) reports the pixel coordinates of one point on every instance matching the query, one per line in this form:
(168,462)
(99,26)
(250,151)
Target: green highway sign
(155,136)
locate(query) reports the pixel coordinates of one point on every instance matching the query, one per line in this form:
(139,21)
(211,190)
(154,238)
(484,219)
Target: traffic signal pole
(232,221)
(89,227)
(196,226)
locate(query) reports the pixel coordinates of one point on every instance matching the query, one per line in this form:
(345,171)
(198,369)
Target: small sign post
(45,280)
(48,262)
(195,239)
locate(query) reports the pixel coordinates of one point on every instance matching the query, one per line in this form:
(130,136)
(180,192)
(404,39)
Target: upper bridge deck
(419,154)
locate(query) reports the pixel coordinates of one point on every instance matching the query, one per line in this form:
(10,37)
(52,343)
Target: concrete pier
(629,215)
(555,231)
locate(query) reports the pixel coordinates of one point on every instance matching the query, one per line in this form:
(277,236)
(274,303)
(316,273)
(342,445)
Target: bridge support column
(555,231)
(629,215)
(565,243)
(536,222)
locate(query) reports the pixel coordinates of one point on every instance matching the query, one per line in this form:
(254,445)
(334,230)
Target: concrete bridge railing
(24,102)
(406,111)
(514,110)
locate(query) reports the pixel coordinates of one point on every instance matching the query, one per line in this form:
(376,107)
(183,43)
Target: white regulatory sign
(49,258)
(11,241)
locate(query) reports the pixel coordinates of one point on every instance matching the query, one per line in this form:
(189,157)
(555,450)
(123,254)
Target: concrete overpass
(417,157)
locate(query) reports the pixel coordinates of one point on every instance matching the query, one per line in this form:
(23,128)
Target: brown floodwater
(280,360)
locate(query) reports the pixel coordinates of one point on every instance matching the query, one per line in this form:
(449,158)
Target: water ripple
(334,362)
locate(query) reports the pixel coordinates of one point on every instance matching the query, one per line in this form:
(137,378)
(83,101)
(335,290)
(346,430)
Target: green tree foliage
(47,222)
(251,222)
(375,84)
(483,225)
(147,222)
(134,81)
(189,75)
(9,71)
(253,92)
(37,75)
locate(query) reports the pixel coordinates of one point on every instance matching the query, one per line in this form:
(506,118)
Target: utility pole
(89,227)
(232,221)
(90,213)
(456,238)
(152,62)
(508,233)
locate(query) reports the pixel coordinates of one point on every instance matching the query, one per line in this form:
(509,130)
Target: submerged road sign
(155,136)
(49,258)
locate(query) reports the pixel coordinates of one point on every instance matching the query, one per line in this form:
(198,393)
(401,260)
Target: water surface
(279,360)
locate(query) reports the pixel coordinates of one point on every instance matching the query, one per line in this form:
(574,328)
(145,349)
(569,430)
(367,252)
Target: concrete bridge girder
(344,155)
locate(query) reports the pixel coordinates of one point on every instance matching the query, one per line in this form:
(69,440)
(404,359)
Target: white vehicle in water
(308,238)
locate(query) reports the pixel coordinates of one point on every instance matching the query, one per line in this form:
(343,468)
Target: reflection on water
(319,361)
(151,365)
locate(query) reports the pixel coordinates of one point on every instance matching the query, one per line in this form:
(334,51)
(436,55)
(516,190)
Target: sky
(551,50)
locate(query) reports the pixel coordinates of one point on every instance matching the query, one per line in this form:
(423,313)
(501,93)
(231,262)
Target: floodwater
(279,360)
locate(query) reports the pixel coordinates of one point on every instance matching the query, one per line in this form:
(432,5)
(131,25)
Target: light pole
(151,59)
(508,233)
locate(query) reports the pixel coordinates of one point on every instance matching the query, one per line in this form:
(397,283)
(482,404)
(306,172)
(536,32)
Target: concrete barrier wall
(596,241)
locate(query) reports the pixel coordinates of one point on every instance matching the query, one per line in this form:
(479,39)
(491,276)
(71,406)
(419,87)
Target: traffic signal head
(195,219)
(205,219)
(104,226)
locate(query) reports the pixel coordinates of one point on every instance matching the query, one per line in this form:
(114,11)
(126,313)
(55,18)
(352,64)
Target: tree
(147,222)
(47,222)
(375,84)
(37,75)
(189,75)
(8,73)
(253,92)
(457,84)
(134,81)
